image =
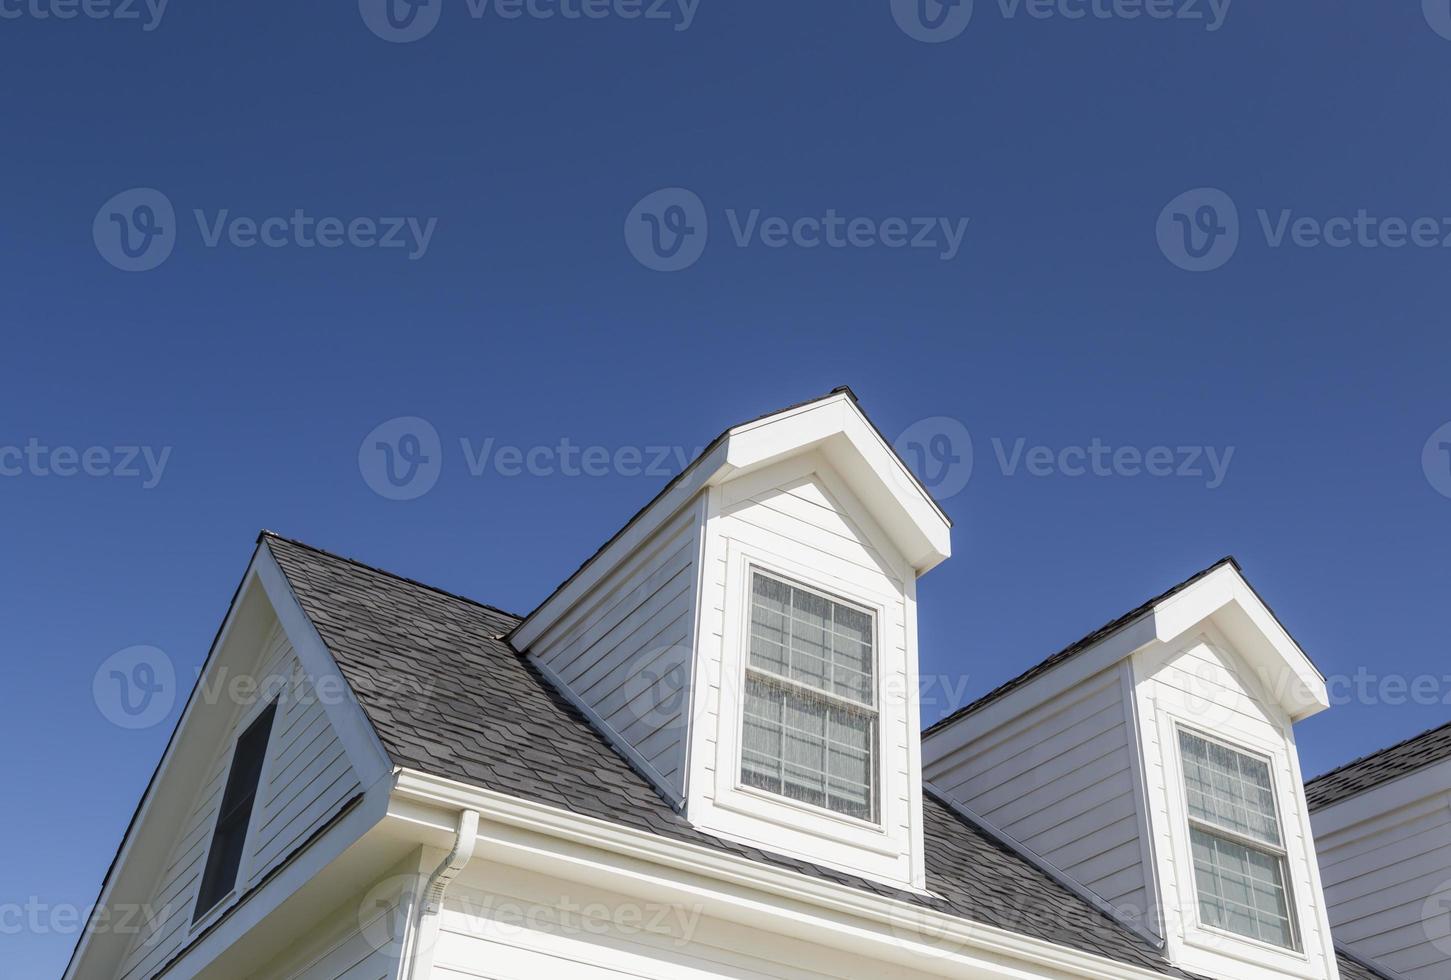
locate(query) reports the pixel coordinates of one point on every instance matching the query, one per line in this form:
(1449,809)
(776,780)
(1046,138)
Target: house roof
(1372,770)
(1352,967)
(448,696)
(1078,646)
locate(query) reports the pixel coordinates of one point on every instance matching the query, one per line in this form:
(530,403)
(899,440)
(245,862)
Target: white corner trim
(960,947)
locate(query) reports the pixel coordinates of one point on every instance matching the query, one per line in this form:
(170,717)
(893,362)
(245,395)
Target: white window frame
(873,710)
(245,869)
(1280,852)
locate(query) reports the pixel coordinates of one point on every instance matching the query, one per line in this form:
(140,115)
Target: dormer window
(810,728)
(1240,867)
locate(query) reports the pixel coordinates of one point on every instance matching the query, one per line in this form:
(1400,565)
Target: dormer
(1153,765)
(748,640)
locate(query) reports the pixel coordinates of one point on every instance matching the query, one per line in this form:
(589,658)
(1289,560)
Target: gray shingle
(1364,773)
(448,696)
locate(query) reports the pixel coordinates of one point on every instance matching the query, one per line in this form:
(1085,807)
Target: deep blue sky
(527,320)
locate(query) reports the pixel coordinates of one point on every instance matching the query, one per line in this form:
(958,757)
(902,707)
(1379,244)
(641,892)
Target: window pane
(1229,789)
(1241,889)
(812,640)
(229,838)
(809,749)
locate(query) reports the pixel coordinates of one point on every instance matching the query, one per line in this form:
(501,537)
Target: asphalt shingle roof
(1372,770)
(448,696)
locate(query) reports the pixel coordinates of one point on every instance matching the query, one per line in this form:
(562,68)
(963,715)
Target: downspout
(431,900)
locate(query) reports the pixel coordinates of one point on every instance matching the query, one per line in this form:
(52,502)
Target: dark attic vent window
(229,839)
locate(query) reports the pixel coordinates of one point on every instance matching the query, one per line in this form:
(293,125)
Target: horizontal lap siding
(1059,778)
(305,780)
(626,648)
(1388,886)
(533,927)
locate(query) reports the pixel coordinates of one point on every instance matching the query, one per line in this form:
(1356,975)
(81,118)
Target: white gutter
(430,901)
(795,904)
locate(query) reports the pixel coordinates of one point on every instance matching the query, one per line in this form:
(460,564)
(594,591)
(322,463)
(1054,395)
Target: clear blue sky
(1059,322)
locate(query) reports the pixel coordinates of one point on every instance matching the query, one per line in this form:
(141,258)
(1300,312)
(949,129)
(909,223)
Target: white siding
(306,778)
(798,520)
(1199,684)
(1059,777)
(625,649)
(532,927)
(358,940)
(1388,883)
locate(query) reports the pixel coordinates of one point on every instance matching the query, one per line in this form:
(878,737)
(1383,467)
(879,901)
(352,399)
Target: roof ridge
(265,534)
(1378,753)
(1103,632)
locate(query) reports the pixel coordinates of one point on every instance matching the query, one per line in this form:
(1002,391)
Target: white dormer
(749,640)
(1154,765)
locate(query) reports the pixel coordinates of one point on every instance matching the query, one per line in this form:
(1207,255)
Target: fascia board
(1226,596)
(117,878)
(705,470)
(360,740)
(737,887)
(853,446)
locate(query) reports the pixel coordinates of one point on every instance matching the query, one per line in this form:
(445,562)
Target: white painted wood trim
(728,884)
(365,751)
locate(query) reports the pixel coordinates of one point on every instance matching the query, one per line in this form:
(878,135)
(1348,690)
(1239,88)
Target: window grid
(810,726)
(1240,866)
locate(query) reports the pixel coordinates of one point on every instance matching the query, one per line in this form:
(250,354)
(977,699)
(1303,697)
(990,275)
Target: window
(1239,852)
(810,730)
(230,837)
